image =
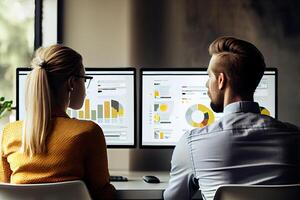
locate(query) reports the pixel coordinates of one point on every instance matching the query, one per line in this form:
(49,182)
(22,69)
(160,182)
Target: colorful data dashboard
(176,101)
(109,102)
(172,101)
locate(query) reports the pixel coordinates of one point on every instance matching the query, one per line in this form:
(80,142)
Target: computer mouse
(151,179)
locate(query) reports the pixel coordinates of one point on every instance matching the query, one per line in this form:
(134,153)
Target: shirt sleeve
(5,171)
(182,184)
(96,167)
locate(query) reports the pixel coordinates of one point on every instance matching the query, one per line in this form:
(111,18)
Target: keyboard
(118,178)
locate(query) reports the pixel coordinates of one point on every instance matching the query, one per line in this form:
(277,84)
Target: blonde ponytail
(52,66)
(38,113)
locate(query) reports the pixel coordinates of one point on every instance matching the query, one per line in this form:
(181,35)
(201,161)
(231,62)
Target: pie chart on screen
(198,115)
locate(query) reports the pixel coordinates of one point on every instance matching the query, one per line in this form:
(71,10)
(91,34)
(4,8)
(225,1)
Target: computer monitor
(110,102)
(175,101)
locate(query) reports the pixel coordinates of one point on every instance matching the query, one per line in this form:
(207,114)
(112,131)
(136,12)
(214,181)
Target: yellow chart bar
(114,113)
(81,114)
(161,135)
(87,109)
(106,109)
(156,93)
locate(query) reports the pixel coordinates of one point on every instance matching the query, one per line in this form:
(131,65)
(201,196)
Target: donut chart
(264,111)
(206,116)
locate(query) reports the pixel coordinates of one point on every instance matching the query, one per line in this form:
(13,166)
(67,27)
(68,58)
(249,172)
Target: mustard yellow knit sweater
(76,149)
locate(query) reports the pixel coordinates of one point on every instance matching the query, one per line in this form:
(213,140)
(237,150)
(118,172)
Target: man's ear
(221,81)
(71,83)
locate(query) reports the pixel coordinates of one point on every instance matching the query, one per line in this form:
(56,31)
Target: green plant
(4,106)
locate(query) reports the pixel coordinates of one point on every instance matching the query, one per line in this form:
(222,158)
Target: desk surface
(136,188)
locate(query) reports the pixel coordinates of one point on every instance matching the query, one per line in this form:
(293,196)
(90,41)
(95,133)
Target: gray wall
(176,33)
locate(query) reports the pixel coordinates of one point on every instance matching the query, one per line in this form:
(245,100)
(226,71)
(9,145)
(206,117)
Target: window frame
(47,31)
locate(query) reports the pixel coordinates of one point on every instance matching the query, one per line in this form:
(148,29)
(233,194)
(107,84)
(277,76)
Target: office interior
(175,33)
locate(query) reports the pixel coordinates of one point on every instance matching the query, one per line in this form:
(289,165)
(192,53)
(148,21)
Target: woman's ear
(71,83)
(221,81)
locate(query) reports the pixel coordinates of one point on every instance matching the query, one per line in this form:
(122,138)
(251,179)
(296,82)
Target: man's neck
(231,98)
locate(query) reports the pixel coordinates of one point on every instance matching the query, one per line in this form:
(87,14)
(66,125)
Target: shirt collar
(242,106)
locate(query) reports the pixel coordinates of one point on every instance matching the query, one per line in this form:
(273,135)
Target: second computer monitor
(175,101)
(109,102)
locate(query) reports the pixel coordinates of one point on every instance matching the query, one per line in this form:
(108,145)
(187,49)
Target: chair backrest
(258,192)
(45,191)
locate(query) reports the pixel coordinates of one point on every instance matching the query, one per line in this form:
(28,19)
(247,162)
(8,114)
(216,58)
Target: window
(16,41)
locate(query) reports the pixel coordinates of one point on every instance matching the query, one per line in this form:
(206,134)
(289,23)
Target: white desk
(136,188)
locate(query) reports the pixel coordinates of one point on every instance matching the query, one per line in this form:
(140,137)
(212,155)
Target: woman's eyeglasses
(87,79)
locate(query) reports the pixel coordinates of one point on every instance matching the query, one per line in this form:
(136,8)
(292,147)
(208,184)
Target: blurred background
(16,41)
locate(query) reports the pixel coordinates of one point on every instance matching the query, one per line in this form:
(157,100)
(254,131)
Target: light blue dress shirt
(243,147)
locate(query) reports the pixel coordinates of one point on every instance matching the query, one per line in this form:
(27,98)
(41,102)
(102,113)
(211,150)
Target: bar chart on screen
(109,115)
(109,102)
(110,111)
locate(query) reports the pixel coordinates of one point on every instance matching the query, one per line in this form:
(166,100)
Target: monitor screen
(110,102)
(175,101)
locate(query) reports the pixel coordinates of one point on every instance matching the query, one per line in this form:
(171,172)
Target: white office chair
(45,191)
(258,192)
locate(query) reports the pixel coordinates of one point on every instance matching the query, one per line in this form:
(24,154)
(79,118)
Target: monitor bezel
(125,69)
(200,69)
(18,70)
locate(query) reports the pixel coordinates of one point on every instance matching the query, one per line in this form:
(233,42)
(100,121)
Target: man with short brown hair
(243,147)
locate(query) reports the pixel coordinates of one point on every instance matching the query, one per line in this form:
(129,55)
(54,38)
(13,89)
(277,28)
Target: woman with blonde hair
(48,146)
